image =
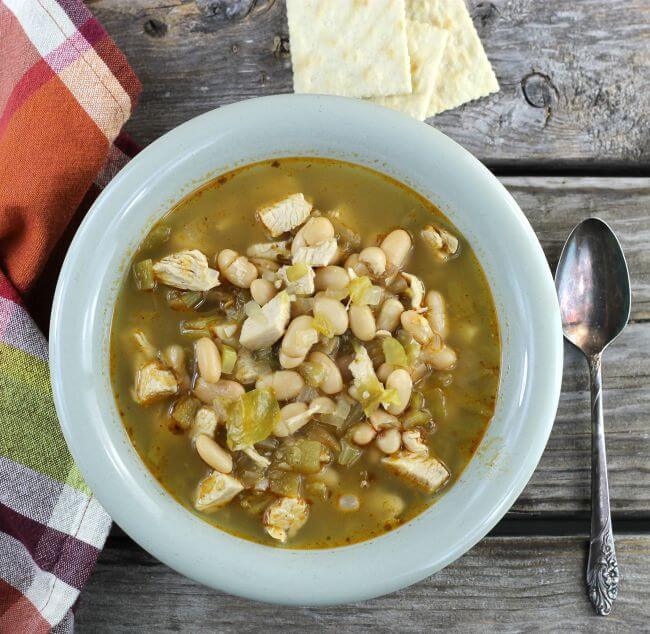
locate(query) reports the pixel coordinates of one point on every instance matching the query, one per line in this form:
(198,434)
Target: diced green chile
(301,455)
(251,418)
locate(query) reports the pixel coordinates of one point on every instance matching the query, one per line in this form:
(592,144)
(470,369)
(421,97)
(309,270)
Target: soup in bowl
(121,312)
(305,352)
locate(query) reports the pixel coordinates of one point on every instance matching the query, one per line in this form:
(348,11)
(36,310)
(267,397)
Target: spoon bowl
(593,287)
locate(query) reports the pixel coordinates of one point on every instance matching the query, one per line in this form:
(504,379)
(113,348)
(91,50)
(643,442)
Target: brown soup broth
(221,215)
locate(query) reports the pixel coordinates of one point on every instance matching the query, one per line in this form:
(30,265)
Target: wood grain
(505,584)
(574,76)
(560,484)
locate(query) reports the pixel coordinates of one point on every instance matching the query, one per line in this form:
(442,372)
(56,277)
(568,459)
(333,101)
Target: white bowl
(411,152)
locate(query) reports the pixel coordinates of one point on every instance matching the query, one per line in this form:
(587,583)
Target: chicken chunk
(415,290)
(269,250)
(215,491)
(285,215)
(443,243)
(265,328)
(187,270)
(303,285)
(426,472)
(284,517)
(205,422)
(152,382)
(319,255)
(361,367)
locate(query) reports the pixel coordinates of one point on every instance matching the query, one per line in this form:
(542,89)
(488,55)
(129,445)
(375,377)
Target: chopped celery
(343,231)
(184,411)
(285,483)
(415,418)
(438,404)
(197,327)
(143,275)
(417,400)
(394,352)
(318,490)
(251,477)
(362,291)
(412,349)
(228,359)
(358,287)
(297,271)
(157,236)
(251,418)
(254,502)
(323,436)
(312,372)
(349,453)
(184,301)
(323,325)
(225,330)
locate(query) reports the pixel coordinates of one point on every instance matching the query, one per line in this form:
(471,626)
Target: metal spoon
(593,286)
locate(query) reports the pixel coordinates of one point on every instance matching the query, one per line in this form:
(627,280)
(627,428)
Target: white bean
(363,434)
(317,230)
(417,326)
(323,405)
(333,381)
(381,419)
(224,388)
(174,357)
(208,359)
(436,313)
(292,418)
(362,322)
(384,370)
(213,454)
(356,265)
(389,314)
(286,384)
(401,381)
(375,260)
(236,268)
(297,341)
(262,291)
(396,245)
(331,278)
(389,440)
(333,311)
(444,358)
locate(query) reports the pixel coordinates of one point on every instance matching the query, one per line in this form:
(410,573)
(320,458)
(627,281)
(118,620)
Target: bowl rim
(103,462)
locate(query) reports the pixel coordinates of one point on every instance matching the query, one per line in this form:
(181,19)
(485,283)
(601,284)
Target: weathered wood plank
(573,77)
(554,205)
(561,483)
(512,584)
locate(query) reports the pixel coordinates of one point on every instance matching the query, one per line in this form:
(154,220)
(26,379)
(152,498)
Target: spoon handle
(602,567)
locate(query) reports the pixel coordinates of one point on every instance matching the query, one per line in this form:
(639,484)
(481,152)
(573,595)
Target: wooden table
(568,135)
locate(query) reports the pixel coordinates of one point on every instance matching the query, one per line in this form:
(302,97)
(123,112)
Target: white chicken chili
(305,353)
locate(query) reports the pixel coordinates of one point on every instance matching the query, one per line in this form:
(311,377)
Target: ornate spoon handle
(602,567)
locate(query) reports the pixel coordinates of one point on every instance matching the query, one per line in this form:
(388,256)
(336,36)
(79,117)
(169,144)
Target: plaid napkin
(65,93)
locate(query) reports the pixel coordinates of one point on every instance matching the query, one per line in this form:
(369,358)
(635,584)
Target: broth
(221,215)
